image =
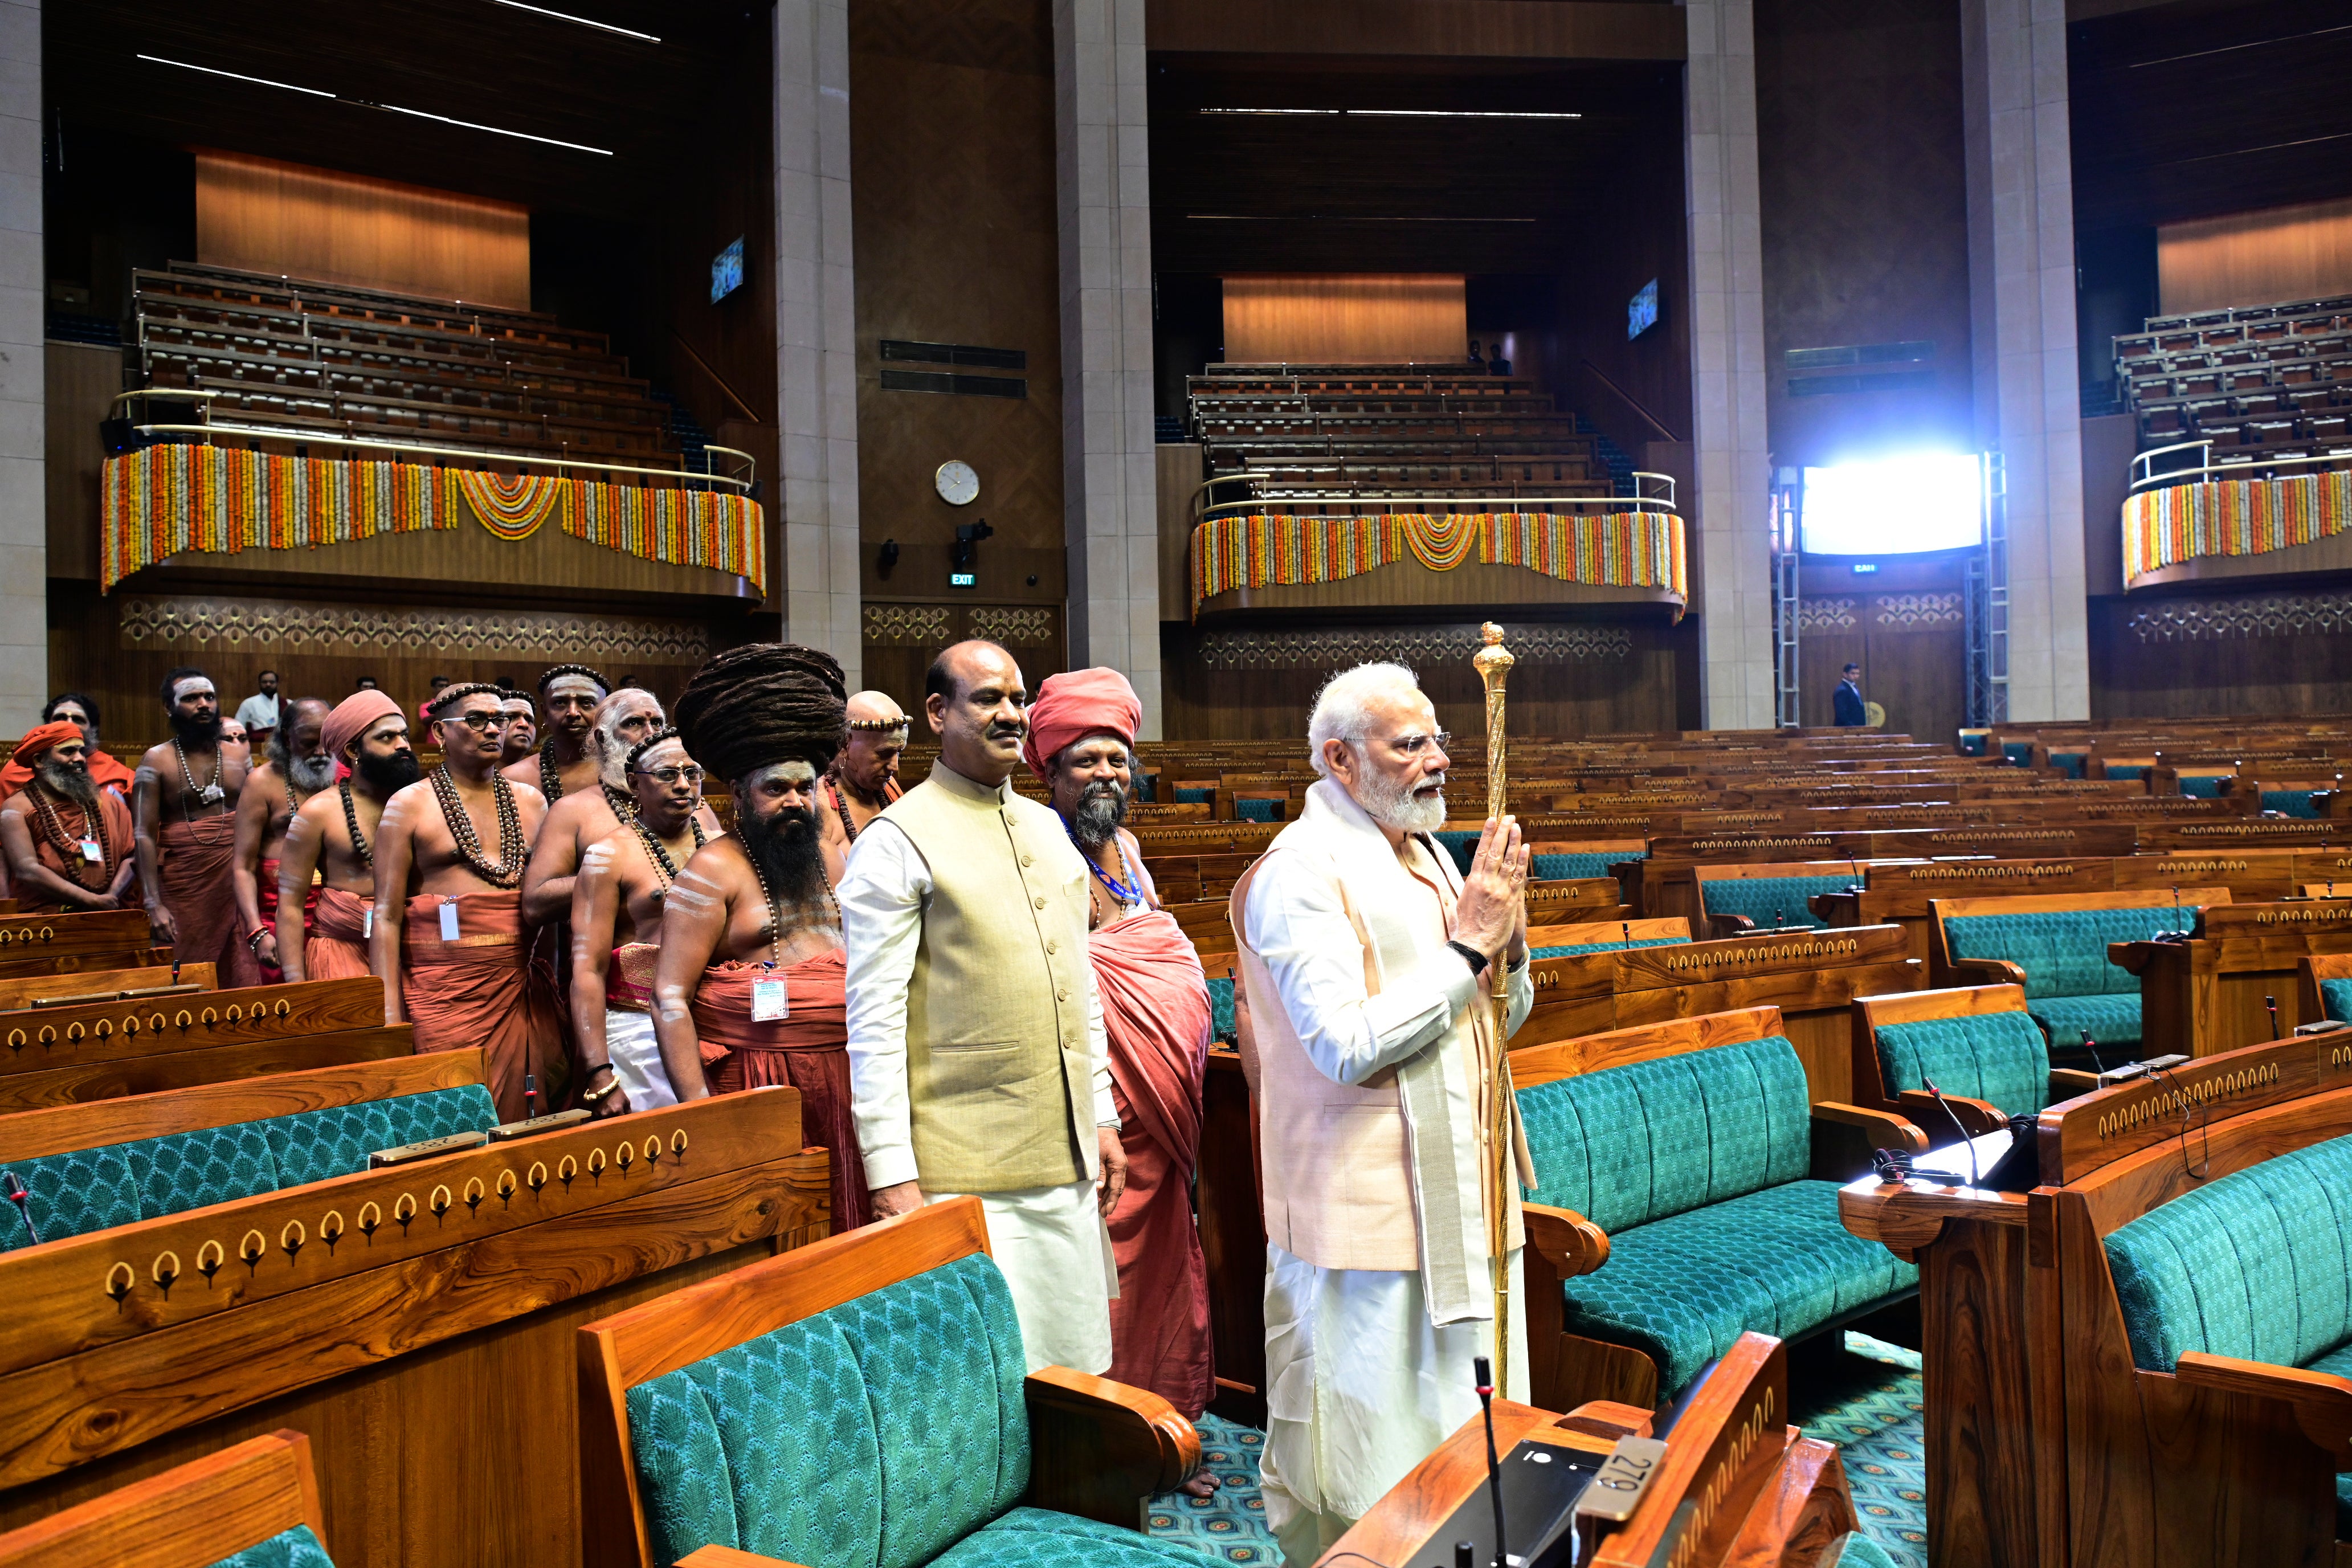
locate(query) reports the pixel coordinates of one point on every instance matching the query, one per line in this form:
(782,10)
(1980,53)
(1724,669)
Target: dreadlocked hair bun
(764,704)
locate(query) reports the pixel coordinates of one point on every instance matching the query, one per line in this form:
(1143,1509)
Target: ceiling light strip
(582,21)
(388,108)
(1416,113)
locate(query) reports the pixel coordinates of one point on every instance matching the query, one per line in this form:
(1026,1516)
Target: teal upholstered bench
(2325,982)
(2256,1266)
(2055,946)
(1738,898)
(865,1402)
(1679,1205)
(1977,1043)
(257,1500)
(117,1162)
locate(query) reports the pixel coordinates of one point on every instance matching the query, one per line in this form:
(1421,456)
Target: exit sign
(962,579)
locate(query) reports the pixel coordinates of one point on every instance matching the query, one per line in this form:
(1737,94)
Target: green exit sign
(962,579)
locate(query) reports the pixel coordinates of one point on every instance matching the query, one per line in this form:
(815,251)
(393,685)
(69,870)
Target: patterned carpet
(1231,1525)
(1868,1402)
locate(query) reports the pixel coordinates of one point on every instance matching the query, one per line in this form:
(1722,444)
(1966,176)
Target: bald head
(978,706)
(868,761)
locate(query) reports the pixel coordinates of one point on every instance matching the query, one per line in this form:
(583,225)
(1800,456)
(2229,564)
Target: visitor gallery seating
(255,1505)
(864,1400)
(1687,1193)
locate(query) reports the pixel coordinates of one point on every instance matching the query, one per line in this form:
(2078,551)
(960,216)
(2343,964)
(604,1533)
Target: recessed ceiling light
(1415,113)
(582,21)
(387,108)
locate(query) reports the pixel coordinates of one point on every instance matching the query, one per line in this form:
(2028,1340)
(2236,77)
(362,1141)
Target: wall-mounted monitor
(1893,506)
(726,271)
(1641,313)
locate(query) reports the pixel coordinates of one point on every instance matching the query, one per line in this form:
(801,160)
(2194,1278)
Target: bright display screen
(1894,506)
(727,272)
(1641,313)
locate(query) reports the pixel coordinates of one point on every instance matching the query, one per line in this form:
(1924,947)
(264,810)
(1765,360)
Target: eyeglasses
(1413,745)
(688,772)
(480,723)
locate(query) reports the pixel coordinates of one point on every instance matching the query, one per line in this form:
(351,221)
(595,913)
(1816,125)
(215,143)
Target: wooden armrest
(1573,1244)
(1841,909)
(729,1557)
(2065,1083)
(2323,1403)
(1100,1449)
(1977,1117)
(1891,1131)
(1986,972)
(1721,926)
(1844,1138)
(1608,1420)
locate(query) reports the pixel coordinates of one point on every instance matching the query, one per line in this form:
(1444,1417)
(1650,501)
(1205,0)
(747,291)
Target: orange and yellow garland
(2165,525)
(161,502)
(1617,549)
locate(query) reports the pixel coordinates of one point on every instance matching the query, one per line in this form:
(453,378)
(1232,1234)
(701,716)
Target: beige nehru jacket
(1000,1071)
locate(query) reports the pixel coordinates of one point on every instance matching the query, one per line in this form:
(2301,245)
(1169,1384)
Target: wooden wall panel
(81,382)
(1337,319)
(2255,258)
(270,216)
(1572,678)
(1903,623)
(902,638)
(2271,651)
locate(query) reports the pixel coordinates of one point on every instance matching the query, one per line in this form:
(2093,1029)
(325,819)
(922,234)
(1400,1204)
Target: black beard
(191,731)
(787,848)
(73,783)
(387,775)
(1102,807)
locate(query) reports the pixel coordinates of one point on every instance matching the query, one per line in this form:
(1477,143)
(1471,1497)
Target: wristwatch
(1471,956)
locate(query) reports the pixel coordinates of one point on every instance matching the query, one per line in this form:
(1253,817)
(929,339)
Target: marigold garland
(1621,549)
(2166,525)
(163,500)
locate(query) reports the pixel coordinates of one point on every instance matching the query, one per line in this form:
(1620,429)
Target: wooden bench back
(158,980)
(1940,911)
(1533,1065)
(190,1516)
(2311,969)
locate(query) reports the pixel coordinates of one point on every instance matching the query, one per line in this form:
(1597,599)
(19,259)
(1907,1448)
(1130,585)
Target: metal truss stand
(1986,605)
(1786,492)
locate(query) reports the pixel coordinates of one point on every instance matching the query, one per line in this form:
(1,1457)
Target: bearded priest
(1364,957)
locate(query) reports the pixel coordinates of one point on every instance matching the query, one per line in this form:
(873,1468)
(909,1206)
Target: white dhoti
(637,1062)
(1053,1249)
(1360,1387)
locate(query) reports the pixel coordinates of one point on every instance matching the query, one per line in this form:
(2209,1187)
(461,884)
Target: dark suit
(1850,708)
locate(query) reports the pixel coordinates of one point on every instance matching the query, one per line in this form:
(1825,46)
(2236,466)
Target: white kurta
(1360,1384)
(1050,1242)
(637,1062)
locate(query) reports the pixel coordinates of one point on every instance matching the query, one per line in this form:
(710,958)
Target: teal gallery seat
(257,1501)
(2335,999)
(1578,949)
(83,1190)
(1998,1057)
(2070,986)
(1769,901)
(896,1427)
(1696,1167)
(2257,1266)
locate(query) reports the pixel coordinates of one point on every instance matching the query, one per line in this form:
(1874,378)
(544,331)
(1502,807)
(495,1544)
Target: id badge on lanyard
(771,1002)
(91,852)
(448,920)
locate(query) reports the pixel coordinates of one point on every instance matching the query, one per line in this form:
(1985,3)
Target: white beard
(1395,807)
(310,774)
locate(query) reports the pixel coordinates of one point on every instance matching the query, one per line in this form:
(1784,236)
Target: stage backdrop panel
(1345,319)
(2255,258)
(269,216)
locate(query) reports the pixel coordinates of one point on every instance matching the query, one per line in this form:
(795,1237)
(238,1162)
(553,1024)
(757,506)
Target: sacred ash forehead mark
(563,684)
(794,771)
(188,686)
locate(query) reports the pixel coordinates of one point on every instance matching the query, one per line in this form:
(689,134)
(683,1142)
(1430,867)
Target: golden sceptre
(1494,663)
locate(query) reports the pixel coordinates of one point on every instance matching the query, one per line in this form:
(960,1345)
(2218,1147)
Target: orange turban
(351,717)
(39,740)
(1075,704)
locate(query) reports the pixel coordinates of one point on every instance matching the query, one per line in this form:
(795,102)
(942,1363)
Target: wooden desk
(2204,995)
(1400,1528)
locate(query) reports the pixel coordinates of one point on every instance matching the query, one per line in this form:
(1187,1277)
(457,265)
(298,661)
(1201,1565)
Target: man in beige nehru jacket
(977,1060)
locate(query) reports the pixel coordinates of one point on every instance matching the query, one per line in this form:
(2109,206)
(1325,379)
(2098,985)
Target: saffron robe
(809,1049)
(192,874)
(479,991)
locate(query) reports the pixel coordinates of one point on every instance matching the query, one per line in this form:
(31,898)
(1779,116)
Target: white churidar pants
(1053,1249)
(637,1060)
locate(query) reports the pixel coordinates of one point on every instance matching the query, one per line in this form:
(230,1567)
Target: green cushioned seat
(295,1548)
(1561,868)
(1196,796)
(2290,802)
(1683,1290)
(2110,1020)
(2070,986)
(2126,769)
(1859,1551)
(1460,843)
(2017,753)
(2070,763)
(1221,1025)
(886,1432)
(90,1189)
(1999,1057)
(2201,788)
(1695,1164)
(2335,999)
(1256,810)
(1571,948)
(1972,745)
(1771,900)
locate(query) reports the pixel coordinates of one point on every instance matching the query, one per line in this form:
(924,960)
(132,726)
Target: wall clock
(956,484)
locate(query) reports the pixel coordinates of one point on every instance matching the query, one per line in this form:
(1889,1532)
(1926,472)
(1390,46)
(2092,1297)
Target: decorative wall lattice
(1827,614)
(1015,626)
(1917,612)
(188,621)
(1424,649)
(906,626)
(2255,616)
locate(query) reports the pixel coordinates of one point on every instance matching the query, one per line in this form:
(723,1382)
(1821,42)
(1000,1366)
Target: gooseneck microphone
(530,1096)
(2271,1004)
(1937,1096)
(23,1199)
(1485,1371)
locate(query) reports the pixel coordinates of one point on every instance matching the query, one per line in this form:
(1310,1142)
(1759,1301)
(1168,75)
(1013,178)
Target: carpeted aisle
(1231,1525)
(1868,1402)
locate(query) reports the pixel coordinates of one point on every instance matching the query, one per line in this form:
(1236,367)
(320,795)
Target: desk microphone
(1628,928)
(2091,1046)
(23,1201)
(1937,1096)
(2271,1004)
(1485,1371)
(529,1097)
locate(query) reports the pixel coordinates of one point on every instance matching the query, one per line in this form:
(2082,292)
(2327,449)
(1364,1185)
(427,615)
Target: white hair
(1343,708)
